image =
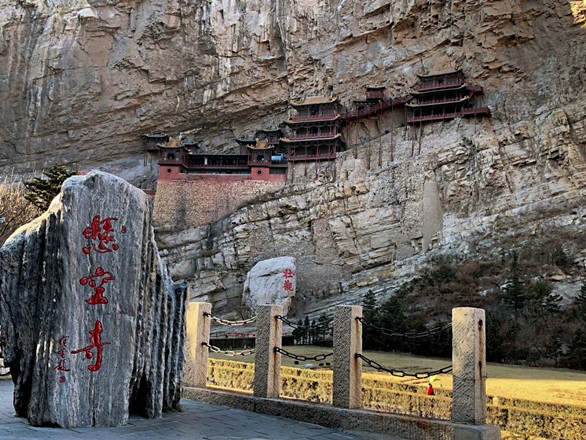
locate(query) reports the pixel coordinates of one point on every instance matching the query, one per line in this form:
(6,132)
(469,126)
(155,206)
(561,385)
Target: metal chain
(228,352)
(401,373)
(226,322)
(424,334)
(304,327)
(297,357)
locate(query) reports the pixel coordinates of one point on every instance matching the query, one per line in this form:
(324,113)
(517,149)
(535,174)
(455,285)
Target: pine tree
(576,356)
(579,306)
(392,318)
(514,295)
(542,299)
(41,192)
(370,314)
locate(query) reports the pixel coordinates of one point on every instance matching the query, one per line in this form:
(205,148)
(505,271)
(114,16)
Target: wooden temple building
(444,96)
(151,141)
(259,159)
(266,158)
(374,104)
(316,130)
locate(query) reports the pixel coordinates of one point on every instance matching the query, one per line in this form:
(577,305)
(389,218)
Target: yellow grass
(558,386)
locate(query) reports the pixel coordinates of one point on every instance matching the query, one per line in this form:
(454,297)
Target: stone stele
(270,282)
(92,325)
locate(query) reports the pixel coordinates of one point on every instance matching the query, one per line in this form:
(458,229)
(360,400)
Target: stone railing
(469,405)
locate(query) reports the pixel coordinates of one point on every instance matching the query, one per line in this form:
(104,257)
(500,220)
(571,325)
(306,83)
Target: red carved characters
(62,366)
(101,240)
(102,277)
(288,285)
(100,231)
(96,342)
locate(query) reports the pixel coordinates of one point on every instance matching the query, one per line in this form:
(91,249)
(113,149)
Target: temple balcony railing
(479,111)
(438,117)
(218,166)
(375,95)
(456,82)
(366,112)
(265,163)
(325,115)
(387,104)
(302,137)
(442,101)
(178,161)
(306,157)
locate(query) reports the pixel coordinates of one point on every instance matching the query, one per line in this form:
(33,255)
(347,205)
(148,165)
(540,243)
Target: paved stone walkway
(198,421)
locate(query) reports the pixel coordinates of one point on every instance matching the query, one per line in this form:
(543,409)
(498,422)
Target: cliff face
(465,189)
(81,81)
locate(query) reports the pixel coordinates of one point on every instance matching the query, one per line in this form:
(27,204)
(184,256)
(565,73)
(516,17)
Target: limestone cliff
(464,188)
(81,81)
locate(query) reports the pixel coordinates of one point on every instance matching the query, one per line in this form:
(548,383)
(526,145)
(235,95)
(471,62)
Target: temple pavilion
(264,161)
(444,96)
(151,141)
(315,130)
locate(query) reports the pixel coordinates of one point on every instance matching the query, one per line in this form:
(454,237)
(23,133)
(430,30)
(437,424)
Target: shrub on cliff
(42,191)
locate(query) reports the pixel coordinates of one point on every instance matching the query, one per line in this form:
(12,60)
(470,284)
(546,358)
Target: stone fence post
(197,333)
(469,365)
(347,387)
(267,364)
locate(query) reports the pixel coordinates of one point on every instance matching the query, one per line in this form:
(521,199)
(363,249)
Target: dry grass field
(558,386)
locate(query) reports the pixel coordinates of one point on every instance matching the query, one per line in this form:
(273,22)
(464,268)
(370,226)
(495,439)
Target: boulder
(92,325)
(270,282)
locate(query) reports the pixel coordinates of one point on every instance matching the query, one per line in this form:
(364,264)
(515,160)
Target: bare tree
(15,210)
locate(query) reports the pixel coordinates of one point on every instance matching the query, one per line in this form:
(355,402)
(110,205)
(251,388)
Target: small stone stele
(93,327)
(270,282)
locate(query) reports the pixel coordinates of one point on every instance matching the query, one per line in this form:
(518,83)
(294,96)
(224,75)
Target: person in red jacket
(430,390)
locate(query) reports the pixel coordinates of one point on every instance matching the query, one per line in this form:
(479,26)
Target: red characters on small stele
(102,277)
(288,285)
(100,231)
(96,342)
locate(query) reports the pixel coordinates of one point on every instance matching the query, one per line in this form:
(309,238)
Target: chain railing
(401,373)
(408,335)
(301,358)
(228,352)
(227,322)
(305,327)
(468,327)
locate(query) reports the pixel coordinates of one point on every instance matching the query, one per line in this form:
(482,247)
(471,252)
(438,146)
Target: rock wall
(207,199)
(470,187)
(92,326)
(80,80)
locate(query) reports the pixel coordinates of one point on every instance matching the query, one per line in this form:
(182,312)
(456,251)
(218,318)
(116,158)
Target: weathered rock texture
(82,80)
(462,189)
(92,324)
(270,282)
(206,200)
